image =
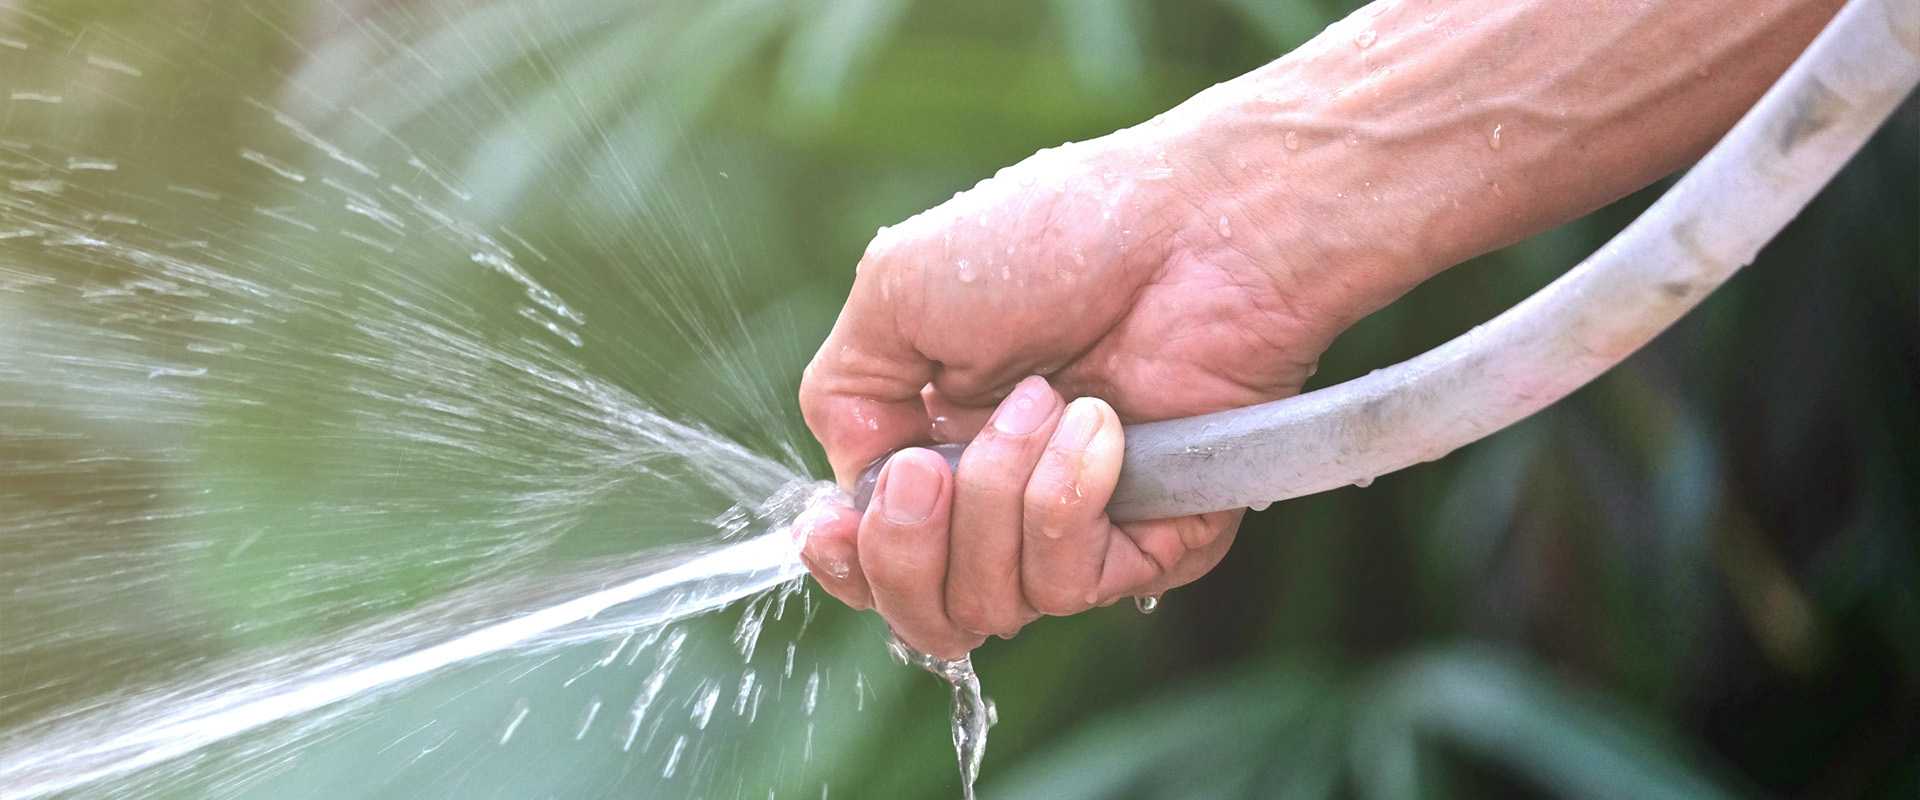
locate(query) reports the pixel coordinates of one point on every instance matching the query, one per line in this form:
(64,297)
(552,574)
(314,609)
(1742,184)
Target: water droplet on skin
(1364,482)
(1293,140)
(1009,249)
(1493,137)
(1226,231)
(1260,506)
(965,270)
(1365,39)
(1432,17)
(1076,257)
(1147,603)
(1352,139)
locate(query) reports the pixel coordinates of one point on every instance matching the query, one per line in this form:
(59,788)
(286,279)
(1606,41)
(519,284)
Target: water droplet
(744,694)
(965,270)
(1226,231)
(1156,174)
(1292,140)
(1076,257)
(1493,137)
(673,759)
(1431,17)
(1147,603)
(703,705)
(1365,39)
(1352,139)
(586,719)
(519,715)
(1364,482)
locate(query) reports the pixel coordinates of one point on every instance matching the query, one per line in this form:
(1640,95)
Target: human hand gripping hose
(1710,224)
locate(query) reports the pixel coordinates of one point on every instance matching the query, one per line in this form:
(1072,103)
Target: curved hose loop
(1708,226)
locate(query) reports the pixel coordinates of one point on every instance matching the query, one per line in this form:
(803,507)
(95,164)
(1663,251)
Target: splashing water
(303,419)
(72,753)
(973,712)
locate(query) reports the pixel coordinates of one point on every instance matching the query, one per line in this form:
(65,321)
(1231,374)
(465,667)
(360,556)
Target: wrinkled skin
(1092,266)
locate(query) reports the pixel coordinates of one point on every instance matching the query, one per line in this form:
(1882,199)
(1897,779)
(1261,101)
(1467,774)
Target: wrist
(1326,210)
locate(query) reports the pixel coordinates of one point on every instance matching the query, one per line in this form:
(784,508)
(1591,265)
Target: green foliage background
(1698,577)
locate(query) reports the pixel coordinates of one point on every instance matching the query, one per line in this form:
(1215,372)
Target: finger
(1065,529)
(1153,556)
(983,570)
(903,550)
(861,393)
(828,536)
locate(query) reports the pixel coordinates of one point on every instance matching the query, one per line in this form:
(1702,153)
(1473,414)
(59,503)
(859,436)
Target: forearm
(1426,131)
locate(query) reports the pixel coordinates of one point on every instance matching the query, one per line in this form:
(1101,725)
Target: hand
(1088,265)
(1203,261)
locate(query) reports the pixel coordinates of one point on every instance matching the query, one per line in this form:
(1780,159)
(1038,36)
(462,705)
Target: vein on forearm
(1460,127)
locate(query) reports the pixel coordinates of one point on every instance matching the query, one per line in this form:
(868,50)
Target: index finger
(861,394)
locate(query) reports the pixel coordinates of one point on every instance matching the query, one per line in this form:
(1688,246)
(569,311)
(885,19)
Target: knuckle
(1054,599)
(988,469)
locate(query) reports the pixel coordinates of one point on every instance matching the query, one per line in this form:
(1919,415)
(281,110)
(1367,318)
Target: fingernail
(1023,411)
(913,486)
(1082,421)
